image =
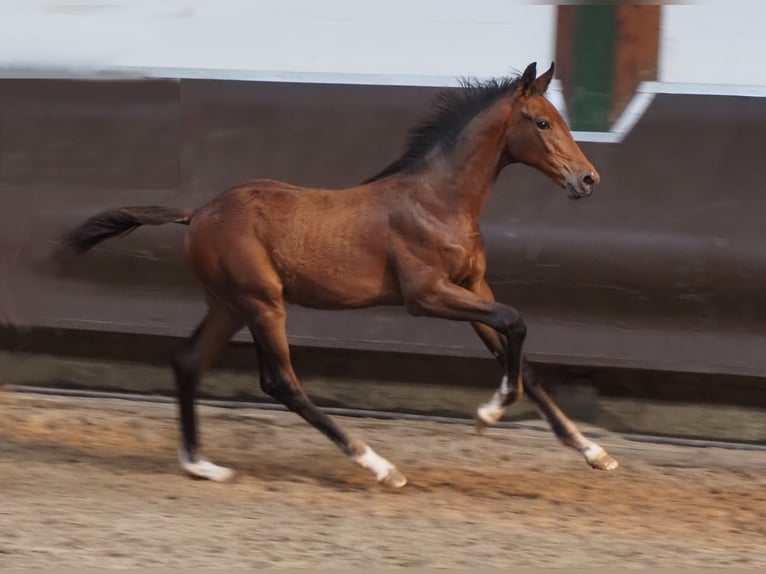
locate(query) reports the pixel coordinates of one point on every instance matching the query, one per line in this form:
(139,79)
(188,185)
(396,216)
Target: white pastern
(372,461)
(493,410)
(504,386)
(205,469)
(383,470)
(591,451)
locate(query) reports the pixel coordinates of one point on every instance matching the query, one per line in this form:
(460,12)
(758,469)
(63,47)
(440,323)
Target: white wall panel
(714,42)
(382,37)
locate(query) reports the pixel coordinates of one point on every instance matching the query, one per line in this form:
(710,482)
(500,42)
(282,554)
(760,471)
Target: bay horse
(407,236)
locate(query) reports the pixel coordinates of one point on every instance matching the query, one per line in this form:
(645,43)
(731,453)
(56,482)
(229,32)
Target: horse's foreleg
(450,301)
(493,410)
(501,328)
(509,391)
(267,324)
(566,431)
(197,355)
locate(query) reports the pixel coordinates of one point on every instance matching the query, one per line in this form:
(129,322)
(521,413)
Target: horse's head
(538,136)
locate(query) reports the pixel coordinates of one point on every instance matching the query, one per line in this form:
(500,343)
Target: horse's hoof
(206,470)
(479,424)
(597,457)
(385,472)
(394,479)
(603,462)
(489,414)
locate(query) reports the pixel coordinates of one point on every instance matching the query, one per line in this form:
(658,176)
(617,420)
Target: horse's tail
(121,221)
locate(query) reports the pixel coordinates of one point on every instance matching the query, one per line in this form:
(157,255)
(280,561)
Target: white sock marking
(591,451)
(493,410)
(372,461)
(205,469)
(504,386)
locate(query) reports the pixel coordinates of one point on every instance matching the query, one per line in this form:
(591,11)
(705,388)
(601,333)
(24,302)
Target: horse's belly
(340,288)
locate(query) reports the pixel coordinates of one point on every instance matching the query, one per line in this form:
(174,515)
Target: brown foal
(407,236)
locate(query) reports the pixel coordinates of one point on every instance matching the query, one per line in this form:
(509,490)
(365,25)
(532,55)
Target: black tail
(121,221)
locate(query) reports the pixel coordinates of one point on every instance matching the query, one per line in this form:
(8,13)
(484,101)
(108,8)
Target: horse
(408,236)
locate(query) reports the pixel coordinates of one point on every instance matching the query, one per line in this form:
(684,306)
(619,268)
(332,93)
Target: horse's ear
(528,78)
(541,83)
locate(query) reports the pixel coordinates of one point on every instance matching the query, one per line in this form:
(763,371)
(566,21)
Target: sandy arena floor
(95,483)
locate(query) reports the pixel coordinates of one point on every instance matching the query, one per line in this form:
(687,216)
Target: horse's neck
(470,168)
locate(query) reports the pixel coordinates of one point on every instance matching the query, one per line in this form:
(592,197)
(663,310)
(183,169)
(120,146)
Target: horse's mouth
(578,193)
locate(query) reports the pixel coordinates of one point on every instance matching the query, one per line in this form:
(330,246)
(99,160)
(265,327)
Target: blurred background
(650,289)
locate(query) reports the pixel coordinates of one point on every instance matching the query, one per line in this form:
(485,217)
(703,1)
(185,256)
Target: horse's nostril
(588,180)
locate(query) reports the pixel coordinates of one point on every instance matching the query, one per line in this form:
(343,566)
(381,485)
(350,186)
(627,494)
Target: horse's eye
(543,125)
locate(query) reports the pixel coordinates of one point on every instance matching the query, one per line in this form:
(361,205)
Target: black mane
(452,111)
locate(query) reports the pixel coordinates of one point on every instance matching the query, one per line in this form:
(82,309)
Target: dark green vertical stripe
(595,34)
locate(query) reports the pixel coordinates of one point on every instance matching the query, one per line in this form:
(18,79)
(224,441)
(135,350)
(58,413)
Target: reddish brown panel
(637,50)
(565,19)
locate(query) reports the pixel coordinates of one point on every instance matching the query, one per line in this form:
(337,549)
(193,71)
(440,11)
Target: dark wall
(663,267)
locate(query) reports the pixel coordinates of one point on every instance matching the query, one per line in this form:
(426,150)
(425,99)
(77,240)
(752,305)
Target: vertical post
(603,52)
(593,57)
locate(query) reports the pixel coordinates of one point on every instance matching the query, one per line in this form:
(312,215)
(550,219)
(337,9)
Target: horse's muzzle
(582,186)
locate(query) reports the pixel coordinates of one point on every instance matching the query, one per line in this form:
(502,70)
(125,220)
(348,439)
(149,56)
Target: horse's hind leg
(267,324)
(198,354)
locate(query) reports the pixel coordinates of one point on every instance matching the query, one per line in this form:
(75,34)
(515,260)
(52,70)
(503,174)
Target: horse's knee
(270,385)
(517,329)
(276,387)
